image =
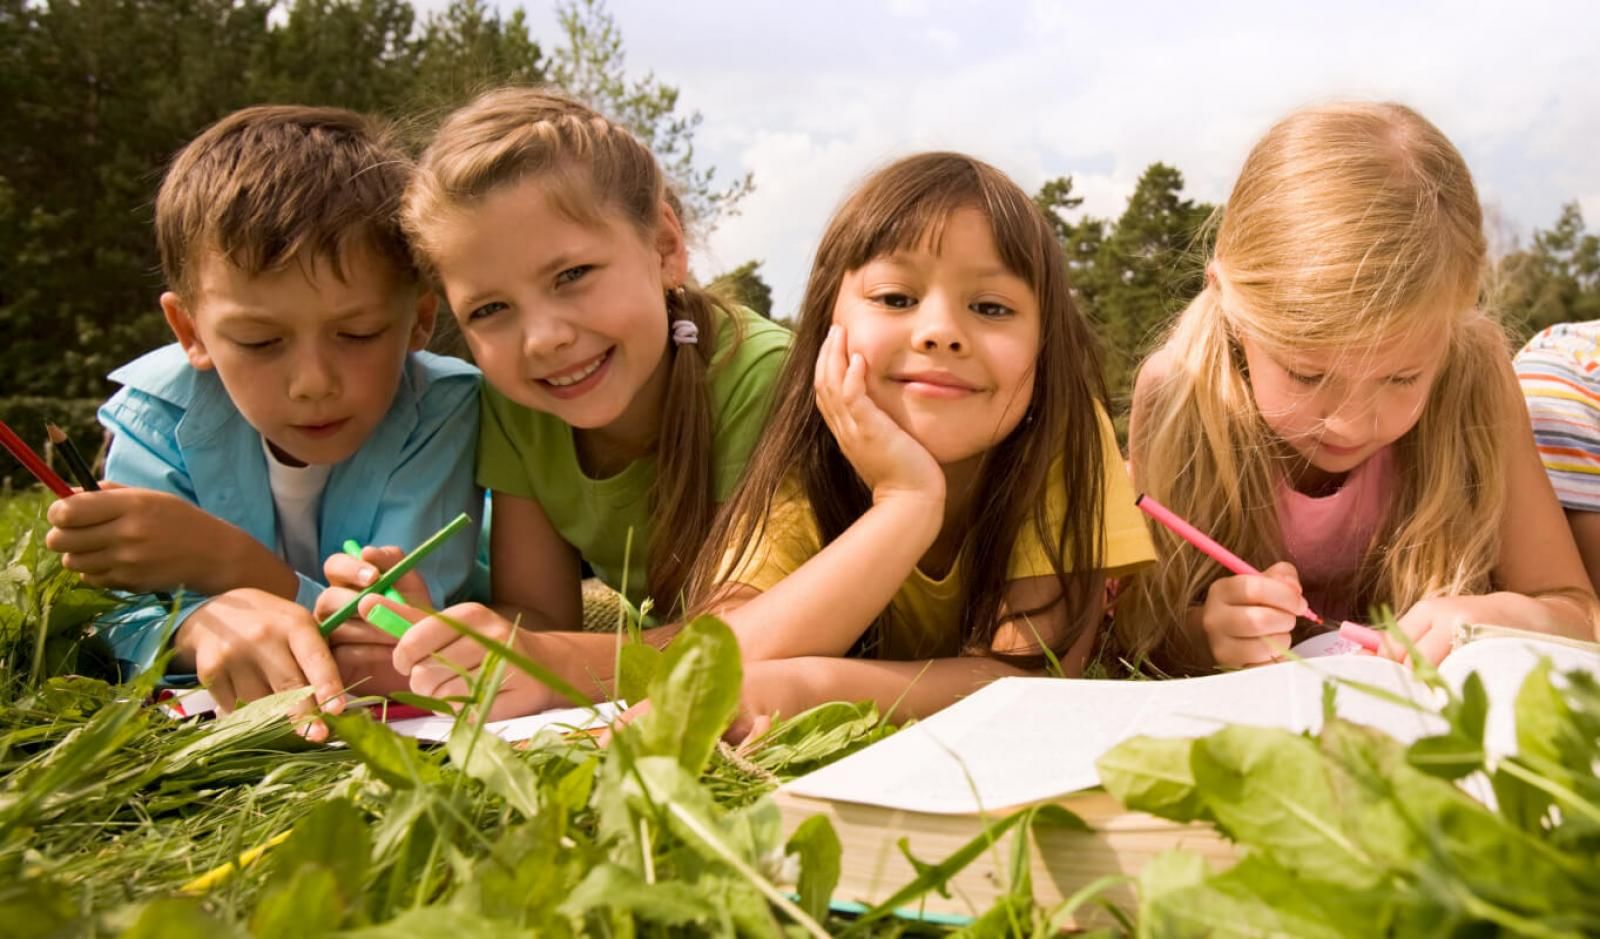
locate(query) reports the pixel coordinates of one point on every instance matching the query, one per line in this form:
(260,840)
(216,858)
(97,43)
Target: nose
(544,335)
(938,326)
(1353,420)
(315,374)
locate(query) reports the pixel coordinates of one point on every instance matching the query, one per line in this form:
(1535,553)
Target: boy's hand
(1248,619)
(887,458)
(247,644)
(126,538)
(433,655)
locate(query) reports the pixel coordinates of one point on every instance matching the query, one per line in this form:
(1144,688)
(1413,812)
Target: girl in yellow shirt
(938,498)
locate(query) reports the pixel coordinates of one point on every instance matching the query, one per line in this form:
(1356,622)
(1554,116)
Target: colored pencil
(395,573)
(75,461)
(1205,543)
(32,463)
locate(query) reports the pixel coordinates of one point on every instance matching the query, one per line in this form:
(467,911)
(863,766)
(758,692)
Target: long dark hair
(897,208)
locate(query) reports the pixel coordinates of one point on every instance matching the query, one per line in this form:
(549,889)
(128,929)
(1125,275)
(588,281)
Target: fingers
(87,509)
(1285,572)
(344,571)
(1248,590)
(622,720)
(432,635)
(317,667)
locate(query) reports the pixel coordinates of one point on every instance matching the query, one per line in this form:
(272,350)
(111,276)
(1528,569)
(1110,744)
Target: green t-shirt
(532,454)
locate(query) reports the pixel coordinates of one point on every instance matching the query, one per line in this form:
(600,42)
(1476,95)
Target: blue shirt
(176,430)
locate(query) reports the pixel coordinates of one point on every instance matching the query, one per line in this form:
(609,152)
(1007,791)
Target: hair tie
(685,333)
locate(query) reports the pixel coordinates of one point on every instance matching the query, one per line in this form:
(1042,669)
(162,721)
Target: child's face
(950,339)
(312,362)
(563,317)
(1336,408)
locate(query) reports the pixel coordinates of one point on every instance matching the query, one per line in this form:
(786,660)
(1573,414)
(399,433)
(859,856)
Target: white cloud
(811,97)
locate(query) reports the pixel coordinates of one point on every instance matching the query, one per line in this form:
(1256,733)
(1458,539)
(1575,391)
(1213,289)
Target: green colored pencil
(395,573)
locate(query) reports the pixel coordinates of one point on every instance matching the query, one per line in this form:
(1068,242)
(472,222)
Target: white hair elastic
(685,333)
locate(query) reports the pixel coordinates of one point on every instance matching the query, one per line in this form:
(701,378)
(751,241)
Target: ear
(427,315)
(182,323)
(672,247)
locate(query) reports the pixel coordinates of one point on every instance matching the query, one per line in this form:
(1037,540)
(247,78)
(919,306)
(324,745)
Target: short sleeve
(501,464)
(787,540)
(1559,371)
(1127,539)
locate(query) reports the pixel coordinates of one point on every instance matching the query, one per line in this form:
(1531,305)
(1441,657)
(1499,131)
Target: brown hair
(588,165)
(898,207)
(267,184)
(1351,225)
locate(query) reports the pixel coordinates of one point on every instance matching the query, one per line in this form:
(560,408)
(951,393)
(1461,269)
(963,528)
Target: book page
(1024,740)
(437,727)
(1502,662)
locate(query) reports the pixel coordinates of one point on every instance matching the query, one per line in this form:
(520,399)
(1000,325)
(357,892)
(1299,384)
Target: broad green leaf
(817,846)
(1255,898)
(1153,775)
(491,761)
(177,919)
(439,922)
(1448,756)
(1167,872)
(334,836)
(1269,789)
(694,694)
(637,663)
(571,792)
(617,888)
(1473,712)
(391,757)
(307,904)
(1547,729)
(35,907)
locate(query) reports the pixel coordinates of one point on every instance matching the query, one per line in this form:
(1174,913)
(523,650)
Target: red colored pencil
(31,461)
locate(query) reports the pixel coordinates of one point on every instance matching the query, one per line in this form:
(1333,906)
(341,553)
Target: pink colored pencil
(32,463)
(1204,542)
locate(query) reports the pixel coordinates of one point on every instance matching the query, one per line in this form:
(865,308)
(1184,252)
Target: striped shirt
(1560,374)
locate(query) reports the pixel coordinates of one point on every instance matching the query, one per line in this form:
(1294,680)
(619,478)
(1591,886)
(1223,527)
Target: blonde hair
(267,184)
(1351,225)
(588,166)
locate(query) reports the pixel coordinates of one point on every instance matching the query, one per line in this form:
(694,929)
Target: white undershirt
(297,495)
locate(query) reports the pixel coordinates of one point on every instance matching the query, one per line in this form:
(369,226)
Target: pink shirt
(1326,537)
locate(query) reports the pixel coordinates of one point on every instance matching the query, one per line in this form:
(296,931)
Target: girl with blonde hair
(1336,401)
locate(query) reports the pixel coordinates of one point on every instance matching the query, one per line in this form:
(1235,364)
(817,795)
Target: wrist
(250,564)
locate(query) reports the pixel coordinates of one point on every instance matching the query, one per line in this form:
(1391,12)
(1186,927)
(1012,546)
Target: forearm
(901,690)
(825,605)
(588,661)
(236,560)
(1568,613)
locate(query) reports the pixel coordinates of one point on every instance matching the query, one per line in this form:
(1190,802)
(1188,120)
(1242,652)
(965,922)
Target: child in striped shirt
(1560,374)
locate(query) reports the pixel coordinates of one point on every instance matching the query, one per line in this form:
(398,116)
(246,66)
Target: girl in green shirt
(621,400)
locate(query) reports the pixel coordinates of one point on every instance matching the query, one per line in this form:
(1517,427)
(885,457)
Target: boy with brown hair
(296,410)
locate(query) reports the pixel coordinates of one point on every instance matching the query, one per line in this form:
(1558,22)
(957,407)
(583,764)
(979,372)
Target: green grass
(110,810)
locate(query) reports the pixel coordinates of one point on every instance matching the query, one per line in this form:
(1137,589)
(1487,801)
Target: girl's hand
(1431,626)
(889,460)
(433,656)
(364,652)
(1248,620)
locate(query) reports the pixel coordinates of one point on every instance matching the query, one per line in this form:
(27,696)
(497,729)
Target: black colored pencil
(75,461)
(84,475)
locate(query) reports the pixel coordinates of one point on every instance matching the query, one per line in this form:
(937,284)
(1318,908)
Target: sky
(811,96)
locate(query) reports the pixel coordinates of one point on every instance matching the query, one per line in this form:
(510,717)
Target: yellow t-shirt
(925,614)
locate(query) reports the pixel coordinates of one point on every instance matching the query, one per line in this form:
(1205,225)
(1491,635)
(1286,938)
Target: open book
(1023,741)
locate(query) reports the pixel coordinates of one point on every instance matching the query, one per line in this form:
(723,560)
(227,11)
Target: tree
(1130,277)
(591,66)
(1556,280)
(744,285)
(96,96)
